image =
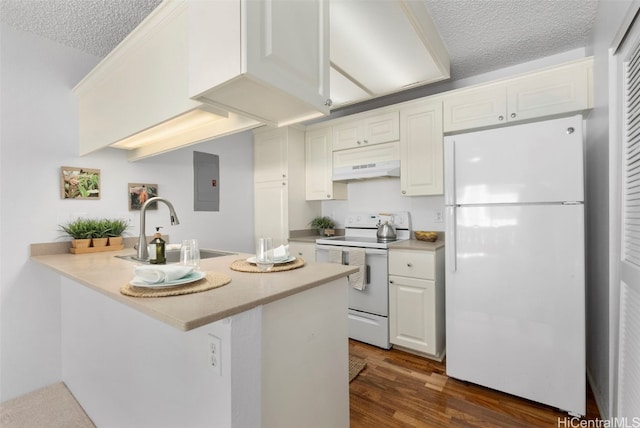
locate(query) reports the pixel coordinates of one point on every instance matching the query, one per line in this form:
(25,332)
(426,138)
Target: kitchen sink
(173,256)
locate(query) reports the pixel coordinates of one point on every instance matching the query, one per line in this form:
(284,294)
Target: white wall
(38,135)
(384,195)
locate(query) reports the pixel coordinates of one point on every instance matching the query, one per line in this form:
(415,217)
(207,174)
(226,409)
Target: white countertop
(106,273)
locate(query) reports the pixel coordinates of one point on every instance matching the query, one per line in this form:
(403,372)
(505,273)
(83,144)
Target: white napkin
(281,253)
(335,255)
(357,258)
(157,274)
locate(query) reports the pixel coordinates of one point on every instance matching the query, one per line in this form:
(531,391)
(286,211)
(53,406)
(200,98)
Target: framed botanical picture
(79,183)
(139,193)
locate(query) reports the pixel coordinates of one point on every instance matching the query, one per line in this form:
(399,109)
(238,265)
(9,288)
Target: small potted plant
(324,225)
(81,230)
(116,229)
(101,229)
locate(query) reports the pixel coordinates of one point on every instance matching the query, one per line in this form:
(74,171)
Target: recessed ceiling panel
(376,44)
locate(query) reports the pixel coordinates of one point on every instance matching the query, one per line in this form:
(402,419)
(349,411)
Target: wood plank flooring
(399,389)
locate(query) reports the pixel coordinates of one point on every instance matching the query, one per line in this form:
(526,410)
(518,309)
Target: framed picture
(79,183)
(139,193)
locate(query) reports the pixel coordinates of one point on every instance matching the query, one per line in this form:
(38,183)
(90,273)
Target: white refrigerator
(515,294)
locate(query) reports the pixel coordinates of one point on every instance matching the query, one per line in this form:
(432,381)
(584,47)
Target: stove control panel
(400,220)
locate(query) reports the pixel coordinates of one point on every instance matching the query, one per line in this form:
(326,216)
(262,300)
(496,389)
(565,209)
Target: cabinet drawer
(415,264)
(303,249)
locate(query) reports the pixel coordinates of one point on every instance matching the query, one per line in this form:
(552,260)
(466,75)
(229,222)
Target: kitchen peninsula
(265,350)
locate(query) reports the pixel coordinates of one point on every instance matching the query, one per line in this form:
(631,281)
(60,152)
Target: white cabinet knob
(501,117)
(513,115)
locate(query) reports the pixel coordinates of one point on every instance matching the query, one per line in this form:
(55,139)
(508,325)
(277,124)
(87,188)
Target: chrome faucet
(143,253)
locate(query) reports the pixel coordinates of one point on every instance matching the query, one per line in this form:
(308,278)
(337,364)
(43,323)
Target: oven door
(374,299)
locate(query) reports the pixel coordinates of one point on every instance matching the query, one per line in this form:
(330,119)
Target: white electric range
(368,307)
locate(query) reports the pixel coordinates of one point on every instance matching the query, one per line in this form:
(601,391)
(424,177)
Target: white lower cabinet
(306,250)
(416,301)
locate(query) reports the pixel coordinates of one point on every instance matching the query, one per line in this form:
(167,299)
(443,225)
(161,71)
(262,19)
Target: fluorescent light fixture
(172,129)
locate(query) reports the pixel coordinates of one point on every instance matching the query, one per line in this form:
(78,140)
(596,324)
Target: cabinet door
(270,210)
(298,65)
(381,128)
(306,250)
(347,135)
(475,108)
(412,313)
(421,150)
(266,73)
(549,93)
(270,155)
(319,164)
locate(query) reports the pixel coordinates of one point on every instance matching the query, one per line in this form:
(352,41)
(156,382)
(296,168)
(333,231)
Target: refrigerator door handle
(449,172)
(450,248)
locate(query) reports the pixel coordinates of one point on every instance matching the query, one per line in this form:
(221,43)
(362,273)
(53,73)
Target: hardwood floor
(399,389)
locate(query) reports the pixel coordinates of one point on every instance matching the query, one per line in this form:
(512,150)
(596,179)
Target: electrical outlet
(437,216)
(215,356)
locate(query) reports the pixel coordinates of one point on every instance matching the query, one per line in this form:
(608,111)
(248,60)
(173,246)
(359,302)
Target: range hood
(367,170)
(376,161)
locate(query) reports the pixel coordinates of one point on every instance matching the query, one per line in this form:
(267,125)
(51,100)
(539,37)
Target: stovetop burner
(361,230)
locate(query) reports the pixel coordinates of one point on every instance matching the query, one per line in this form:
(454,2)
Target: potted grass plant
(116,229)
(80,230)
(101,229)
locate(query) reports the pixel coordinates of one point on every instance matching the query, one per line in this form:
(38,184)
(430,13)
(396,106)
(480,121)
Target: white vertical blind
(628,391)
(631,209)
(629,364)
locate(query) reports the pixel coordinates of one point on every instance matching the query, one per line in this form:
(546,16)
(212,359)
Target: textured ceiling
(480,35)
(92,26)
(485,35)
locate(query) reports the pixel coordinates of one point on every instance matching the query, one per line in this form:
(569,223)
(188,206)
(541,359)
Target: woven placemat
(211,280)
(241,265)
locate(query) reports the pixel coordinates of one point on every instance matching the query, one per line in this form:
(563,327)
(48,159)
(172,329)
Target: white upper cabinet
(421,150)
(142,87)
(268,60)
(319,167)
(279,179)
(194,70)
(270,155)
(560,90)
(367,130)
